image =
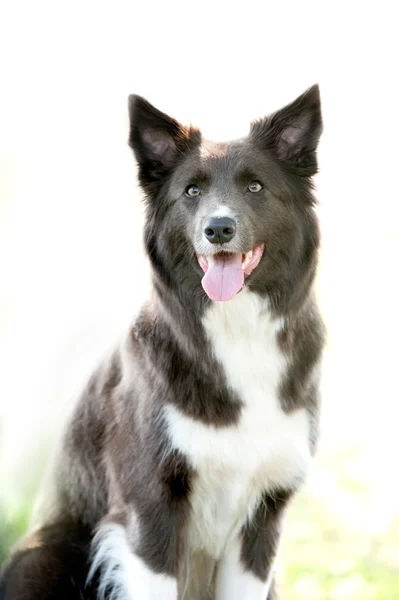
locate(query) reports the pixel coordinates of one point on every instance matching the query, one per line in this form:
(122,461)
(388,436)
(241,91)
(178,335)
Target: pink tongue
(224,277)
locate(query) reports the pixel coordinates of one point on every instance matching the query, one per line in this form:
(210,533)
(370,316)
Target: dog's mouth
(225,272)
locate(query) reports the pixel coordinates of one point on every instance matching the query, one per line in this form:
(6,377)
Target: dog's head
(230,214)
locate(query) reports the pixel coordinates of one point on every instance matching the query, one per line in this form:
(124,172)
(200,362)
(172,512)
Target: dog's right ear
(158,141)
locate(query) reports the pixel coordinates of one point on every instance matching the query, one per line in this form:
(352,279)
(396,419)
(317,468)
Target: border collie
(192,437)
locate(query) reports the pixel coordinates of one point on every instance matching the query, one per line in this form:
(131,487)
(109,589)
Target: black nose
(220,231)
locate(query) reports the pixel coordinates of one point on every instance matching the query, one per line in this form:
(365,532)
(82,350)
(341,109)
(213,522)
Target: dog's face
(230,214)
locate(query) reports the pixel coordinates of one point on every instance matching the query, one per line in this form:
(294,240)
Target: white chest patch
(266,450)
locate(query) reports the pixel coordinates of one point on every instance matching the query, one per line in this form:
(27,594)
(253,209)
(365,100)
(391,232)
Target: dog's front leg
(135,562)
(246,568)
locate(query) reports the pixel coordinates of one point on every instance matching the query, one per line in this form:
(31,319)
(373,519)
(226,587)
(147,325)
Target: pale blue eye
(193,191)
(255,186)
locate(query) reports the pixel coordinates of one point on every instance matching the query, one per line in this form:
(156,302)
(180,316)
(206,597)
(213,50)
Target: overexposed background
(72,272)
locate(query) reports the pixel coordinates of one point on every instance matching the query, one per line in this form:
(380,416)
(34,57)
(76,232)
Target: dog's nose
(219,230)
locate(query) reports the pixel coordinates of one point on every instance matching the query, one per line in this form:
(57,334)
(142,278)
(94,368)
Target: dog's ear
(158,141)
(293,132)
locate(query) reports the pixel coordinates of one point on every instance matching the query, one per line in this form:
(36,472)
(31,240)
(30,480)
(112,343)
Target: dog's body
(191,438)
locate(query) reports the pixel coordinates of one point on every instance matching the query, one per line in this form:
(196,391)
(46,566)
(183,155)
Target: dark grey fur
(113,462)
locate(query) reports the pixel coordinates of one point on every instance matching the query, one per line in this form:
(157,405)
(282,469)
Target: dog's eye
(193,191)
(255,186)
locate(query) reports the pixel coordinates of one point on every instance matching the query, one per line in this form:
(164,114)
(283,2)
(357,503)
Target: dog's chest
(266,450)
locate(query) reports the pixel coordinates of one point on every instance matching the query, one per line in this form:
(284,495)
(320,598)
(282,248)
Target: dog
(191,438)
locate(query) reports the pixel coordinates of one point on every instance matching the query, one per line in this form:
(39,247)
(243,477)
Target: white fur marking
(123,574)
(222,211)
(233,583)
(267,449)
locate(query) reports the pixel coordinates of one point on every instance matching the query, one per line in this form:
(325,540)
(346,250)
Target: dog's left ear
(293,132)
(158,141)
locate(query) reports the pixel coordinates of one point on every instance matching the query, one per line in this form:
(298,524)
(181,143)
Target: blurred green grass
(323,558)
(13,525)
